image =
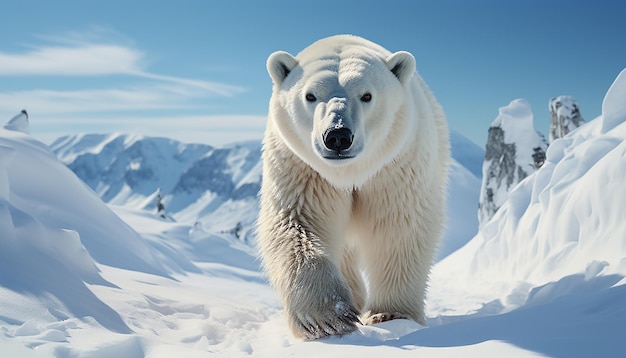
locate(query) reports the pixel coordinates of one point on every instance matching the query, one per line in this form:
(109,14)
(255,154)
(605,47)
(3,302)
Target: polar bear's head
(341,106)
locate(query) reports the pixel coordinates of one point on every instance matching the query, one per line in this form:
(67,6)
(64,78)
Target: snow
(516,120)
(81,278)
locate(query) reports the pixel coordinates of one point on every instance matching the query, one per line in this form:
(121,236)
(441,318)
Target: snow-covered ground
(544,277)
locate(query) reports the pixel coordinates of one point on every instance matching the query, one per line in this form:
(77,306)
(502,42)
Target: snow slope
(530,283)
(53,231)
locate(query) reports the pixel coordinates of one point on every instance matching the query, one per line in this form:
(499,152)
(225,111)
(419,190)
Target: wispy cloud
(90,100)
(83,60)
(90,55)
(213,87)
(109,81)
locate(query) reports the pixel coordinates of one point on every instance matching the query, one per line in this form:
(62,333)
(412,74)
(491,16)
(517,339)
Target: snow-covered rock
(513,151)
(564,116)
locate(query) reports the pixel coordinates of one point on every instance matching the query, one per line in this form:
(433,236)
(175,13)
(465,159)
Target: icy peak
(513,151)
(515,118)
(19,123)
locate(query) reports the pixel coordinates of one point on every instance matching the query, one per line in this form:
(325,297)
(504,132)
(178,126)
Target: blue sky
(195,70)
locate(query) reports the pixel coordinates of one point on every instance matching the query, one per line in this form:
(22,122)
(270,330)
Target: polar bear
(352,202)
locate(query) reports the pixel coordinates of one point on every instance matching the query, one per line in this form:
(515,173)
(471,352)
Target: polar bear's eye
(310,97)
(366,97)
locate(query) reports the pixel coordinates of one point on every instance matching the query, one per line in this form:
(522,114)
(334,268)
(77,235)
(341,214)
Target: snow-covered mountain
(218,186)
(513,151)
(544,277)
(196,181)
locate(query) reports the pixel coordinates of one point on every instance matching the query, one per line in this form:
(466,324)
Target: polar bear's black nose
(338,139)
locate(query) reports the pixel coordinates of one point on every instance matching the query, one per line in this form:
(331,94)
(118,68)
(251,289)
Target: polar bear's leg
(400,229)
(300,264)
(352,274)
(319,302)
(397,272)
(300,225)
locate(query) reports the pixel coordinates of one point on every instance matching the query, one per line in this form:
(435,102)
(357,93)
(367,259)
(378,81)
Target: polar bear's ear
(402,65)
(279,64)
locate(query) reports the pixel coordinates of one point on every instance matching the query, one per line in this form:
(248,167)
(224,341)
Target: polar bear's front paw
(339,318)
(372,318)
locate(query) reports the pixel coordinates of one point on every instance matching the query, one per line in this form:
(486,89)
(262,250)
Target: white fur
(381,211)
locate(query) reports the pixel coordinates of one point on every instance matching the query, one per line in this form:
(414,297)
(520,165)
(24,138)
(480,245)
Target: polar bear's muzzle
(337,143)
(338,138)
